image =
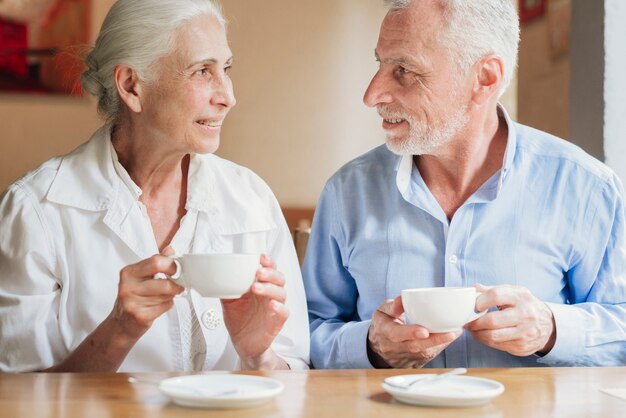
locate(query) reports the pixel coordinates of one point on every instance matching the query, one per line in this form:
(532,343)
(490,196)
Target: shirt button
(453,259)
(211,319)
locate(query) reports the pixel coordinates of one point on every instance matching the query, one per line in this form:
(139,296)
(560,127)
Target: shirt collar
(123,174)
(511,142)
(404,166)
(92,178)
(200,184)
(86,178)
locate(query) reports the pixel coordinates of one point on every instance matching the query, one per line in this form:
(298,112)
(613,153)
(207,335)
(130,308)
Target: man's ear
(489,78)
(128,87)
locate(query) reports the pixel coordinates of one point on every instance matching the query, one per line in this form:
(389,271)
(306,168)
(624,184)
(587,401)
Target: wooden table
(530,392)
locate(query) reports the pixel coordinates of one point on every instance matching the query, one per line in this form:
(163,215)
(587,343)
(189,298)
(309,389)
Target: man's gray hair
(475,28)
(137,33)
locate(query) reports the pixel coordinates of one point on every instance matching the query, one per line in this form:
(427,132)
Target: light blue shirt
(551,220)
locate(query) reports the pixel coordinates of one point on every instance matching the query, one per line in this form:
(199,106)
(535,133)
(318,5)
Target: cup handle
(177,274)
(477,315)
(179,269)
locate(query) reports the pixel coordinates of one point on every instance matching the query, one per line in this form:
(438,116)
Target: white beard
(423,138)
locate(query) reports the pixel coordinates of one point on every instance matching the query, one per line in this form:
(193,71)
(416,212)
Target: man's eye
(227,69)
(201,72)
(401,72)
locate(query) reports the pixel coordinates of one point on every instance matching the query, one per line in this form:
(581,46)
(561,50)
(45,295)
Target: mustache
(386,112)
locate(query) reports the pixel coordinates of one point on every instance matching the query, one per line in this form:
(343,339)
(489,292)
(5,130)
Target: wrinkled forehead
(202,38)
(416,28)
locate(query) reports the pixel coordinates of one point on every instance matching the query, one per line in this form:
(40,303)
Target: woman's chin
(207,146)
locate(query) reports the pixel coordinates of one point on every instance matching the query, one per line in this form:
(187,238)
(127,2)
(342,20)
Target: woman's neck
(152,165)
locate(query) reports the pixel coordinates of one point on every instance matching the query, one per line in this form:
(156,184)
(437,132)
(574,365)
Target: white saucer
(455,391)
(220,390)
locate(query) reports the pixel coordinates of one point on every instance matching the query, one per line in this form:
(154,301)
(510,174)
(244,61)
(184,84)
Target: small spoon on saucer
(427,379)
(195,390)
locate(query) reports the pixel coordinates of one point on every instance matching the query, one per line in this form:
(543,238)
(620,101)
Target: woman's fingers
(266,261)
(158,288)
(147,268)
(270,291)
(270,275)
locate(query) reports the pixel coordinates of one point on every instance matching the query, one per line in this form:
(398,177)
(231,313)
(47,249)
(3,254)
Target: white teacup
(225,276)
(441,309)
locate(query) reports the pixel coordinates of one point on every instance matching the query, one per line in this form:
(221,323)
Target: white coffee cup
(225,276)
(441,309)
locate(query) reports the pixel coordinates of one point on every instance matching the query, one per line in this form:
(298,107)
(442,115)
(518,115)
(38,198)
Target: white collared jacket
(69,227)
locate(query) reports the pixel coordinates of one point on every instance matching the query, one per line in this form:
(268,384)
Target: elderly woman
(83,236)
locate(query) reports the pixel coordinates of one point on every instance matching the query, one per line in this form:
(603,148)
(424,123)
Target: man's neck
(475,154)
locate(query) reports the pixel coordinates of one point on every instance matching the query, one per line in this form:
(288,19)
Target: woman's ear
(489,78)
(128,87)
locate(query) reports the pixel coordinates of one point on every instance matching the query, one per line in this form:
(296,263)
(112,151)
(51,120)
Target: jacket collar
(87,179)
(91,178)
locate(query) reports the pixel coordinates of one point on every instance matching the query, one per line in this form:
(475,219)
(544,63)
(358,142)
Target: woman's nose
(224,94)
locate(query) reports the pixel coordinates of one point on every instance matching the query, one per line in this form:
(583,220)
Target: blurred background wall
(300,72)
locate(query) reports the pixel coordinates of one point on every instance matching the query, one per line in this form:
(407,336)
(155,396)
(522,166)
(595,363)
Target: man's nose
(377,91)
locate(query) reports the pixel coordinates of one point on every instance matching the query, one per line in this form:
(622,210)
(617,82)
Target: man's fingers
(497,336)
(497,296)
(396,331)
(392,307)
(481,288)
(495,320)
(444,338)
(434,343)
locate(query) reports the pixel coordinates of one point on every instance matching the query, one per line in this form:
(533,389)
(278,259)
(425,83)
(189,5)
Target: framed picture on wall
(531,9)
(39,41)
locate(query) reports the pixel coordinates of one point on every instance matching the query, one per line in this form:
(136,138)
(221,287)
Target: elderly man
(463,196)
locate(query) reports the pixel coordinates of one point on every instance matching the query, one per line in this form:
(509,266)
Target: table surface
(529,392)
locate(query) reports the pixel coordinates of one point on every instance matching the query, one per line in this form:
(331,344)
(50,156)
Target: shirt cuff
(295,364)
(354,342)
(569,336)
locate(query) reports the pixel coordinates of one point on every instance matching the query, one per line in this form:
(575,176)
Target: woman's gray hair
(137,33)
(475,28)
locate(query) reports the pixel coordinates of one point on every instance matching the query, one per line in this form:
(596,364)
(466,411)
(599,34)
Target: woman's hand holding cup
(255,319)
(140,298)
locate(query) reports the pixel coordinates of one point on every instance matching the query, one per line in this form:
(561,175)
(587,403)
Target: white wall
(615,86)
(300,72)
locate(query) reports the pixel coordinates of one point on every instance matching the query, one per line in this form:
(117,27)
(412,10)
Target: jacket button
(211,319)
